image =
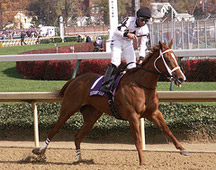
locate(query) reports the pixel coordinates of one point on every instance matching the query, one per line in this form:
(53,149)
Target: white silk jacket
(129,25)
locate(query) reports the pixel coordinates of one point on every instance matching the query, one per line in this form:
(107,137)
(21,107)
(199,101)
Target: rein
(150,71)
(158,72)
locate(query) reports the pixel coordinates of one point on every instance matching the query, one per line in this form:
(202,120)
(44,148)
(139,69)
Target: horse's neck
(146,78)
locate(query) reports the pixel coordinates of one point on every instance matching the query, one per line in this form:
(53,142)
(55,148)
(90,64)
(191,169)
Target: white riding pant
(125,48)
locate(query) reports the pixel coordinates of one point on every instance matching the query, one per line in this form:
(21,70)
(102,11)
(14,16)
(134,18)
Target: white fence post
(36,131)
(142,131)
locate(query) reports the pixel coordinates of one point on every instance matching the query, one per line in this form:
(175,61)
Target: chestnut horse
(136,97)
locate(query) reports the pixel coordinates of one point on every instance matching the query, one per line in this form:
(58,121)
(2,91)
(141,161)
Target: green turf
(12,81)
(188,86)
(19,49)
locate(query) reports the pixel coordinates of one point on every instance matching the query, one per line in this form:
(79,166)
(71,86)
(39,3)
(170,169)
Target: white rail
(97,55)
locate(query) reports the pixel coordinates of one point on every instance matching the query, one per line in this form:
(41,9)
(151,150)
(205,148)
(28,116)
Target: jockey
(122,42)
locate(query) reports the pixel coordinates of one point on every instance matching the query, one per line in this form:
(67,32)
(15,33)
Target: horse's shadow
(42,160)
(12,72)
(84,161)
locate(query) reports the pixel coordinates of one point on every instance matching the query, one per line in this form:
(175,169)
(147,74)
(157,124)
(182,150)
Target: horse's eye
(182,68)
(167,61)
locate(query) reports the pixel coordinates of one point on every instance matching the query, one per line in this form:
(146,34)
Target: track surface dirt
(106,156)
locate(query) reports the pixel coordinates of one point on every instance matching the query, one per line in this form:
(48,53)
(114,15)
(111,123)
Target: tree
(75,8)
(10,8)
(49,11)
(45,10)
(198,13)
(103,7)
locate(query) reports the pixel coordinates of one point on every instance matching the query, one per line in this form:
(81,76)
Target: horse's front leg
(158,120)
(134,127)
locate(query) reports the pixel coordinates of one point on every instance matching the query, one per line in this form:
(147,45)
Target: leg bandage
(44,146)
(78,154)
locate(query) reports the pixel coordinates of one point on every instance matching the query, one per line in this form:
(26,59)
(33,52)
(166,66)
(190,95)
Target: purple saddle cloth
(95,88)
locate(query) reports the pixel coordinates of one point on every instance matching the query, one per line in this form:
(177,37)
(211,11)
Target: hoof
(79,159)
(142,164)
(185,153)
(37,151)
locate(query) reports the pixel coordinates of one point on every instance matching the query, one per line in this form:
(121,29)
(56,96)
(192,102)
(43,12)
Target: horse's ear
(161,44)
(171,43)
(150,48)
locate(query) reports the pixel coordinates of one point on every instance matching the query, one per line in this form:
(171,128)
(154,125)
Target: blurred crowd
(15,34)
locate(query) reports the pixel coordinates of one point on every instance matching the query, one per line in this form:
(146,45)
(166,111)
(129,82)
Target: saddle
(112,84)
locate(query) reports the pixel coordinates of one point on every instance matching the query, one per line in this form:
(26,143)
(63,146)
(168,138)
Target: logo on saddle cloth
(95,88)
(113,84)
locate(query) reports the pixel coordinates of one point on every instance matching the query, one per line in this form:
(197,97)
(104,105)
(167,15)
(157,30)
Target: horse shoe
(37,151)
(185,153)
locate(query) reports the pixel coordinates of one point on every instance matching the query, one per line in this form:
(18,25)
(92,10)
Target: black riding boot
(104,87)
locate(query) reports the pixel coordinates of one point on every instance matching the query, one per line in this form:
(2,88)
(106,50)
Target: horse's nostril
(180,79)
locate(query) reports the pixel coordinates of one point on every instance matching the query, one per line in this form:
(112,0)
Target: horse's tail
(61,92)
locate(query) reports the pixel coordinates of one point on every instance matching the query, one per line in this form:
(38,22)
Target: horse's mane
(146,60)
(149,55)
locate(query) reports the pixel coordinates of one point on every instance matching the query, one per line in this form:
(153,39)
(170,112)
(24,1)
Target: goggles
(146,19)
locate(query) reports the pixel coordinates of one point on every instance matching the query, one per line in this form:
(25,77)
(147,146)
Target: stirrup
(105,89)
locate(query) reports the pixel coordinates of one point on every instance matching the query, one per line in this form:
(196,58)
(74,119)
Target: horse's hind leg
(158,120)
(90,116)
(66,112)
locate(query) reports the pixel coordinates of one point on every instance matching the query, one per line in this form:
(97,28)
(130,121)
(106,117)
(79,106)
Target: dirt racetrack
(61,156)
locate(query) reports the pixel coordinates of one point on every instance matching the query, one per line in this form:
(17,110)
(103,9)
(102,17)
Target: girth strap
(113,107)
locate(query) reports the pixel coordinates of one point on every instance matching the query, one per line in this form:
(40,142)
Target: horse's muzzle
(179,81)
(178,77)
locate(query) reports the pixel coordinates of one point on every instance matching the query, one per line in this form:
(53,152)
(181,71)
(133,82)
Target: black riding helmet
(144,12)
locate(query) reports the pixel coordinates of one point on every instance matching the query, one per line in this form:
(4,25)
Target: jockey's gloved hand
(140,60)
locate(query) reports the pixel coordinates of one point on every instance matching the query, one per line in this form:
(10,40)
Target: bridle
(158,72)
(170,71)
(165,63)
(170,75)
